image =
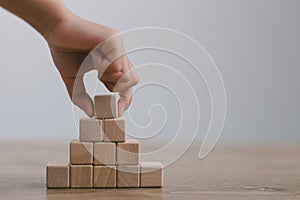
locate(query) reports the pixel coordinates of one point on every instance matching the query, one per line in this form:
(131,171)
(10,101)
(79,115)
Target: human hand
(71,41)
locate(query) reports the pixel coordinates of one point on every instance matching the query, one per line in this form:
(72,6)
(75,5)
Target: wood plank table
(232,171)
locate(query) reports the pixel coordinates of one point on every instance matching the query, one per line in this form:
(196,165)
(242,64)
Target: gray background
(255,44)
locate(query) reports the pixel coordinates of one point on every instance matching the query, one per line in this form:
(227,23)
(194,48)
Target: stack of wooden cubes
(102,157)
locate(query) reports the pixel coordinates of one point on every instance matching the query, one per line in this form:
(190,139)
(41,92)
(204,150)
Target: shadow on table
(119,193)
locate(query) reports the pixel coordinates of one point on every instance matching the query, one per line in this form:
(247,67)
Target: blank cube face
(151,174)
(105,176)
(81,152)
(128,152)
(114,130)
(90,130)
(106,106)
(128,176)
(81,176)
(104,153)
(57,176)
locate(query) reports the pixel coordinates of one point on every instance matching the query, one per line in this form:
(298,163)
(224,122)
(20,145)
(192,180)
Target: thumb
(77,92)
(85,103)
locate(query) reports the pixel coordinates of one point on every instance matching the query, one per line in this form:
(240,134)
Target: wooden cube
(81,153)
(90,130)
(128,152)
(104,153)
(114,130)
(57,176)
(106,106)
(151,174)
(128,176)
(81,176)
(105,176)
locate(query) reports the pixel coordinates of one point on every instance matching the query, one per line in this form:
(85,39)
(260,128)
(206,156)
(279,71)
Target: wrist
(51,20)
(42,15)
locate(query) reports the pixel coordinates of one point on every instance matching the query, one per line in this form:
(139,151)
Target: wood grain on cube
(81,176)
(90,130)
(81,152)
(114,130)
(128,176)
(57,176)
(128,152)
(151,174)
(104,153)
(105,176)
(106,106)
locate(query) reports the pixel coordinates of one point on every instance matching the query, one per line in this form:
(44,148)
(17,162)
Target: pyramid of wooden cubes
(102,157)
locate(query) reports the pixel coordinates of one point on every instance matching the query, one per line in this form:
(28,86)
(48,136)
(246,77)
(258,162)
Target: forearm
(42,15)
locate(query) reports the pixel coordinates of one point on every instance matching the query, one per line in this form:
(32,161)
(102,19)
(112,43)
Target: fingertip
(89,108)
(89,111)
(121,108)
(85,103)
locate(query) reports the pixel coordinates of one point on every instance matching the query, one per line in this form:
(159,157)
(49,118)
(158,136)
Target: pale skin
(70,39)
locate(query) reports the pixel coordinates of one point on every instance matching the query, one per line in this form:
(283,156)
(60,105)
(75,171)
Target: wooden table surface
(231,172)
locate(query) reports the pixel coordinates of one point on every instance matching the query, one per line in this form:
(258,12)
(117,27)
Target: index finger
(124,101)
